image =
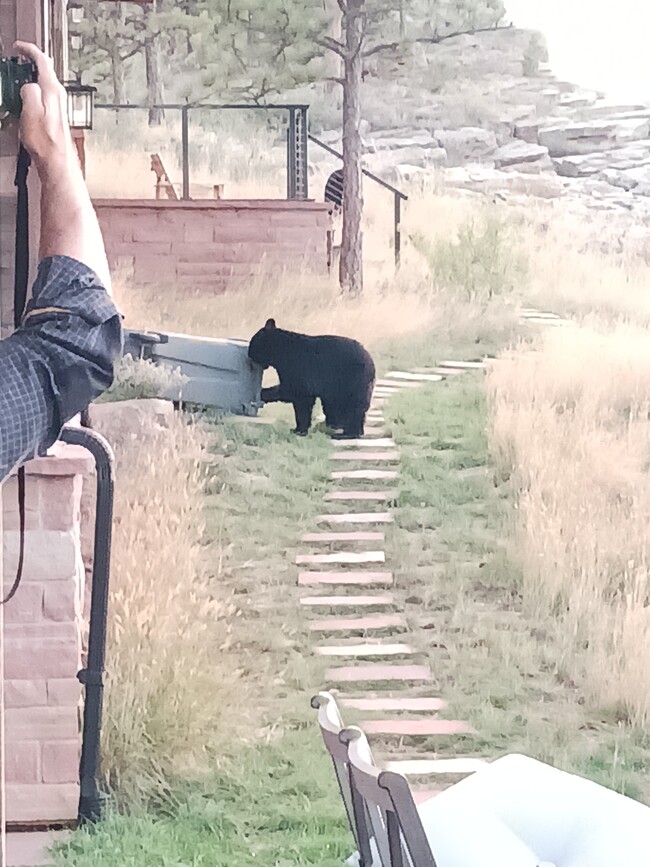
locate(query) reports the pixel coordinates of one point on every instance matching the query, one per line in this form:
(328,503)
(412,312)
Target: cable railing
(398,197)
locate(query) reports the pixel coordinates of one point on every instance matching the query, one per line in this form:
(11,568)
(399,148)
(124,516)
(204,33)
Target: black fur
(337,370)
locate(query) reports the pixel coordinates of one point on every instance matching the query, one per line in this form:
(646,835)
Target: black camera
(13,74)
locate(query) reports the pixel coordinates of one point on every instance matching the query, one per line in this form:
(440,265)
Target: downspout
(92,677)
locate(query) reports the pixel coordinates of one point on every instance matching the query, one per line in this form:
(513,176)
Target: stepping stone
(309,579)
(356,518)
(365,650)
(365,474)
(537,314)
(416,727)
(442,372)
(383,496)
(363,455)
(343,557)
(384,391)
(412,705)
(362,673)
(358,624)
(377,443)
(347,601)
(464,365)
(343,537)
(416,378)
(537,320)
(424,767)
(397,381)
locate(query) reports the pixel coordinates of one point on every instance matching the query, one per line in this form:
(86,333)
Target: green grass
(495,665)
(277,805)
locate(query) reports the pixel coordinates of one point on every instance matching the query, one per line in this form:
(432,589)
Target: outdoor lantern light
(81,98)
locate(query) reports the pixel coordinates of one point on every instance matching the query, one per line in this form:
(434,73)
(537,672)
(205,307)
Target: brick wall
(43,630)
(213,244)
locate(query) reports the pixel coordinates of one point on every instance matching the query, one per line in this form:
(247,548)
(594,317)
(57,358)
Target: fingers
(46,76)
(32,100)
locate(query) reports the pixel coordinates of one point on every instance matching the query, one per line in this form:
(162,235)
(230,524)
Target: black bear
(337,370)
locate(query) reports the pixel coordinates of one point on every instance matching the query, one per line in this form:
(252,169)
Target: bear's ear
(270,325)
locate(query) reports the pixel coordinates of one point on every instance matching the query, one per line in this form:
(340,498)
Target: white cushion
(563,819)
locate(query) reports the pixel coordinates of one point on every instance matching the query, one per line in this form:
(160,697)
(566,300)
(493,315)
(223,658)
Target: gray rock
(527,130)
(131,418)
(517,152)
(584,165)
(568,139)
(397,141)
(468,144)
(490,181)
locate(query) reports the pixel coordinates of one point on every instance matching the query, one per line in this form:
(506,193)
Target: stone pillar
(43,640)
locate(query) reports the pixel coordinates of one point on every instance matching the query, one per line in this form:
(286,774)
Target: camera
(13,74)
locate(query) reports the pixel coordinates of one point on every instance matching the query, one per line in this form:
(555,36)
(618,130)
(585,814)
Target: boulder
(127,419)
(527,130)
(401,139)
(468,144)
(491,181)
(387,161)
(567,139)
(580,166)
(520,153)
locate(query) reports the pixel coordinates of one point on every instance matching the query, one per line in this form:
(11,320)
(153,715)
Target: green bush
(137,378)
(482,260)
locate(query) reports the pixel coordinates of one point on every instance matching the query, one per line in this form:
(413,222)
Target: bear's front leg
(303,409)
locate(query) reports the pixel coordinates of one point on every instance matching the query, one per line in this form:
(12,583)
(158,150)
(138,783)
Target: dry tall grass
(171,692)
(570,429)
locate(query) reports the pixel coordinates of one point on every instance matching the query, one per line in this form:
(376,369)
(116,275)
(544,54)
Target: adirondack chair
(165,186)
(516,812)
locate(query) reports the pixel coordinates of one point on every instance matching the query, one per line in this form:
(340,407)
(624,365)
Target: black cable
(21,285)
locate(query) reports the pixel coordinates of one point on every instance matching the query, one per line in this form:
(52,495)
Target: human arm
(69,225)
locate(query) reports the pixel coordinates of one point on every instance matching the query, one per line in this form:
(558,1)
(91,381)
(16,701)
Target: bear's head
(260,349)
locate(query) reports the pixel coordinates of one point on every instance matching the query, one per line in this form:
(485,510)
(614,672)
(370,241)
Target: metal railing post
(291,156)
(185,145)
(398,228)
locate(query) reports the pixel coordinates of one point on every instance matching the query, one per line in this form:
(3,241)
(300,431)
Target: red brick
(49,555)
(25,693)
(204,269)
(63,692)
(61,601)
(61,761)
(47,657)
(23,763)
(416,727)
(11,517)
(56,802)
(26,606)
(60,502)
(242,231)
(361,673)
(42,723)
(199,228)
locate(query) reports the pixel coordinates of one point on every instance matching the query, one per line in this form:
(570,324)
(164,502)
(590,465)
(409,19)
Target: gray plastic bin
(219,371)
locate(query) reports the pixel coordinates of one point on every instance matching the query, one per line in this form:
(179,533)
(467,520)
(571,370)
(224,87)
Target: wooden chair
(163,182)
(384,804)
(331,726)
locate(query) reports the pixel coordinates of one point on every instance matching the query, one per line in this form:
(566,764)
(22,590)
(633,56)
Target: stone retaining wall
(215,245)
(43,640)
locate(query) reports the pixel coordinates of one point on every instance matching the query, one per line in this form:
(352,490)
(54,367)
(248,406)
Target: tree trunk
(351,264)
(117,76)
(155,93)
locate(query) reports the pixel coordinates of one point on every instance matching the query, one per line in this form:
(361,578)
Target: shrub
(482,260)
(138,378)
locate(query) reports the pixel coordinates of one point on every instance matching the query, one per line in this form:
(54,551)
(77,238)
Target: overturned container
(219,372)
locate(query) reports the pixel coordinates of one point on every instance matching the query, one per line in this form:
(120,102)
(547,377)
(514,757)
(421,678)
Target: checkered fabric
(59,360)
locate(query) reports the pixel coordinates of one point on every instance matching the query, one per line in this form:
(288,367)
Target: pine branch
(333,45)
(435,40)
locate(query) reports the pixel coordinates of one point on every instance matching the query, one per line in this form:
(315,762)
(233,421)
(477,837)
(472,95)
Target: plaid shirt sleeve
(60,359)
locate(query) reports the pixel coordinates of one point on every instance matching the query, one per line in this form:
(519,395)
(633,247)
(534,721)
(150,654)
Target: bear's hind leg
(303,409)
(354,425)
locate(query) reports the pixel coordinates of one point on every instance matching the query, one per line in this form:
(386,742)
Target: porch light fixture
(81,101)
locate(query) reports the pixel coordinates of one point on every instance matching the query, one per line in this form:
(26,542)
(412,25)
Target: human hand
(44,129)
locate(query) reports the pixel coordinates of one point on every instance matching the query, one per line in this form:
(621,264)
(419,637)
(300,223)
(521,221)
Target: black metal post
(291,156)
(92,677)
(185,144)
(302,143)
(398,229)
